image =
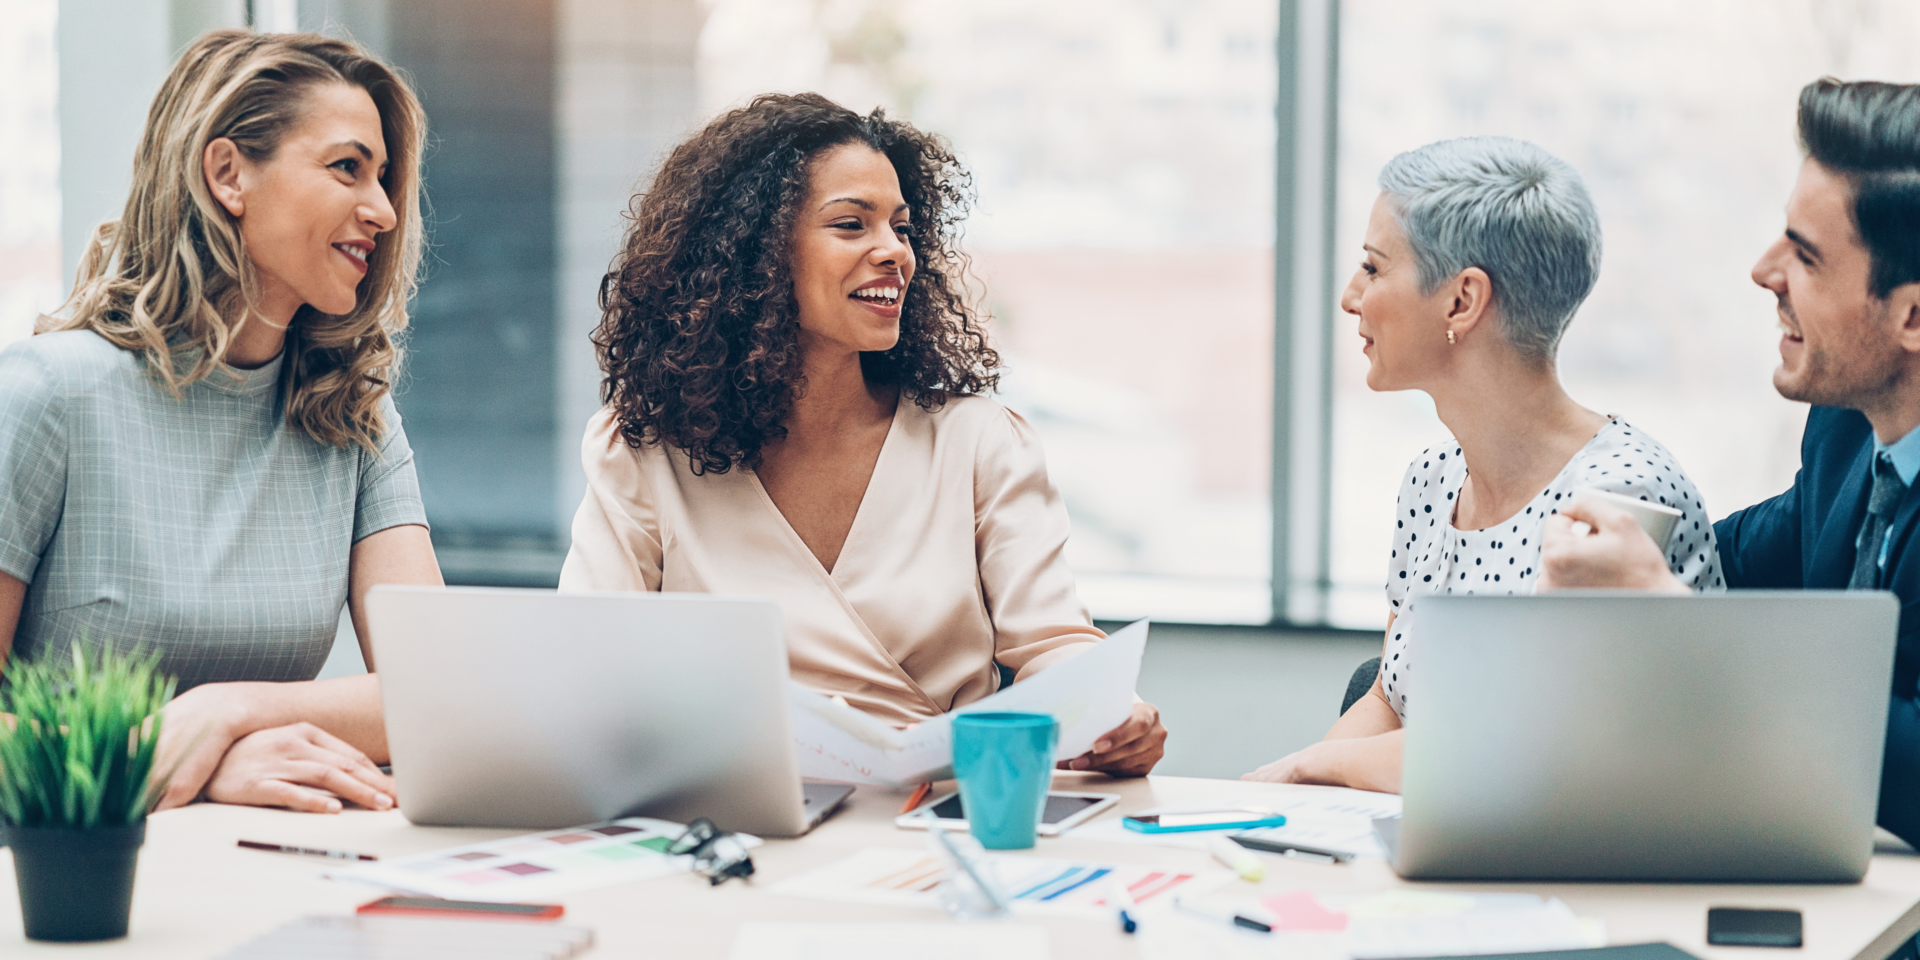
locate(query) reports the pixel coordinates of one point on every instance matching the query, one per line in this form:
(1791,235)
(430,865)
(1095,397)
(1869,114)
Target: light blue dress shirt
(1904,454)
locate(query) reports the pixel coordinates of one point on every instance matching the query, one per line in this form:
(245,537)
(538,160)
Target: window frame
(1305,162)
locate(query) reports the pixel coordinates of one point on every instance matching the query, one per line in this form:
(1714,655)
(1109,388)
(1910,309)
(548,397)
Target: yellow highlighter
(1237,858)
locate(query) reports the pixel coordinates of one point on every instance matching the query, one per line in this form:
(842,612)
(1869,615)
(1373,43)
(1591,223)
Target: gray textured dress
(203,528)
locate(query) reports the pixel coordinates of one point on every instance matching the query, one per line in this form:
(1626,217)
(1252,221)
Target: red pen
(306,851)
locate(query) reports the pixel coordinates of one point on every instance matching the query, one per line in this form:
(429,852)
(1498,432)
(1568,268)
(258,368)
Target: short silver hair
(1510,208)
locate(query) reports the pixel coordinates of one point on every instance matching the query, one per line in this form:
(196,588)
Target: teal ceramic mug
(1004,762)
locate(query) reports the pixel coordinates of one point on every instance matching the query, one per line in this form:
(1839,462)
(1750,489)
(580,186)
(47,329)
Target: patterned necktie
(1882,503)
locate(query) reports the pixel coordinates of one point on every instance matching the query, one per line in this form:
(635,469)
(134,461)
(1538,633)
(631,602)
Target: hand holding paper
(1090,695)
(1128,750)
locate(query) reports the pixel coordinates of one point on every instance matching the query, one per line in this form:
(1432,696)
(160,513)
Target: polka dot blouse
(1430,556)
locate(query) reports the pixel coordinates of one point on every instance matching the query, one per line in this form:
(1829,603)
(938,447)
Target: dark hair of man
(1869,133)
(699,329)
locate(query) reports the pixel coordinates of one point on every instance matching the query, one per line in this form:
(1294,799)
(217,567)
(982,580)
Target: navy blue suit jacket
(1803,539)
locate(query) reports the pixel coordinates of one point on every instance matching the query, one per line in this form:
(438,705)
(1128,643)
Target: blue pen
(1123,905)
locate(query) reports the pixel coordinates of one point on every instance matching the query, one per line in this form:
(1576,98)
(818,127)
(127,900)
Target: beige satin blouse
(954,560)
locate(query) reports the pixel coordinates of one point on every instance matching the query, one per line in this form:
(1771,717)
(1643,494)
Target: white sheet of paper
(889,941)
(1400,923)
(1411,923)
(534,867)
(1089,694)
(1330,819)
(1036,886)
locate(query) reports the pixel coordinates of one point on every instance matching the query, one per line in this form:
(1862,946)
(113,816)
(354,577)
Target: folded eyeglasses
(717,854)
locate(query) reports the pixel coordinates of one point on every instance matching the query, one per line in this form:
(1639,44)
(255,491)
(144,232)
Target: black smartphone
(1736,927)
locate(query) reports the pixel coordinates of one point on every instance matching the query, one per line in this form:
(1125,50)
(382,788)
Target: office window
(30,280)
(1123,156)
(1680,116)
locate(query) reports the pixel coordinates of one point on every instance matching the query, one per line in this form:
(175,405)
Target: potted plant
(76,765)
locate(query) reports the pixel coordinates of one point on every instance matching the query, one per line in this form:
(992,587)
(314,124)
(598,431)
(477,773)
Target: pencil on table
(919,793)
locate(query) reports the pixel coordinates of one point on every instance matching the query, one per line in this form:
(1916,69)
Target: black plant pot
(75,884)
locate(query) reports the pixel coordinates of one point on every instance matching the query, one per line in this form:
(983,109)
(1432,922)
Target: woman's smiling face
(851,257)
(1404,329)
(311,213)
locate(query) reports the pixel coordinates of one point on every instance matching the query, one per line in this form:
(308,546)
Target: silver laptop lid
(1632,737)
(532,709)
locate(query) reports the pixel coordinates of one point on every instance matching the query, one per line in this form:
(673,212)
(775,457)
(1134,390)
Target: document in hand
(1089,694)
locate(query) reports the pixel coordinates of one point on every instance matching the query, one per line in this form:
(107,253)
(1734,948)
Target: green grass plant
(78,749)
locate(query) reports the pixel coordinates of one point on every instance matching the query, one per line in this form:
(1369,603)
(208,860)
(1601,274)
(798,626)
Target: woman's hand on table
(1128,750)
(196,729)
(1300,766)
(1364,763)
(291,766)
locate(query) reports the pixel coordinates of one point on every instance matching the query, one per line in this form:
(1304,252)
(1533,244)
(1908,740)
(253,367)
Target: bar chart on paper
(536,866)
(904,877)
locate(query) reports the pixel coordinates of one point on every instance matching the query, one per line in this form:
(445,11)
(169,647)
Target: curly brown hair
(699,326)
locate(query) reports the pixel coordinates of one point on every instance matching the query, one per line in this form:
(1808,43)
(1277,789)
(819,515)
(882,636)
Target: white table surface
(198,895)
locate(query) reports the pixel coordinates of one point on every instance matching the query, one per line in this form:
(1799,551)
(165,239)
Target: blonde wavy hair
(171,279)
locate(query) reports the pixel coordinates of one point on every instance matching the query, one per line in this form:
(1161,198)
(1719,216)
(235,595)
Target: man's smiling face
(1837,344)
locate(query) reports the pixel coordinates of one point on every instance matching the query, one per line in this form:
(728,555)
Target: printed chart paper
(536,867)
(1394,924)
(907,878)
(1089,694)
(1327,818)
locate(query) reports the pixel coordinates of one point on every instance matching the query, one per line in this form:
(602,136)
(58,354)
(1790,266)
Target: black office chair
(1360,683)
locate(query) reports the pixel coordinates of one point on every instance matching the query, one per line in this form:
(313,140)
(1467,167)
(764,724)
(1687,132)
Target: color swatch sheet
(1327,819)
(1393,924)
(535,867)
(889,941)
(908,878)
(1089,694)
(414,938)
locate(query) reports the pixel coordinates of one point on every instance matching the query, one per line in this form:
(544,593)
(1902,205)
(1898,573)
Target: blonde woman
(200,455)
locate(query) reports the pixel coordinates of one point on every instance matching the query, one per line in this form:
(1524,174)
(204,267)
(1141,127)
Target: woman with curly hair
(200,457)
(794,389)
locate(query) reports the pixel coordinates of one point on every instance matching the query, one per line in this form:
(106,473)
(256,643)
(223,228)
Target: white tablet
(1064,811)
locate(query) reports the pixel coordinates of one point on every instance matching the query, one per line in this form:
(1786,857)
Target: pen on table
(306,851)
(1123,904)
(919,793)
(1224,916)
(967,864)
(1236,857)
(1295,850)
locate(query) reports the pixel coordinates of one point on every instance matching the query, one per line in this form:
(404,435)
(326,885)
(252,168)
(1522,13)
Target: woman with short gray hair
(1478,253)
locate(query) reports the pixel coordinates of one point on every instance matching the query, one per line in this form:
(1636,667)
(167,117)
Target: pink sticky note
(1299,911)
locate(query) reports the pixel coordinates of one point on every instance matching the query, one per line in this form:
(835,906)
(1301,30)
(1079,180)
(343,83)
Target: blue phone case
(1141,827)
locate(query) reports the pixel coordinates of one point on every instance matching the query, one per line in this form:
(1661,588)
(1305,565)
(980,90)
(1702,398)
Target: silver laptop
(538,710)
(1611,736)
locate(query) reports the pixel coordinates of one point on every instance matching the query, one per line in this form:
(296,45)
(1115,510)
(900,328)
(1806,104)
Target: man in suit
(1847,274)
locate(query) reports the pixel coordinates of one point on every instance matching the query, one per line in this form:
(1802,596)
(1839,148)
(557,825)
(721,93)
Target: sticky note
(1301,912)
